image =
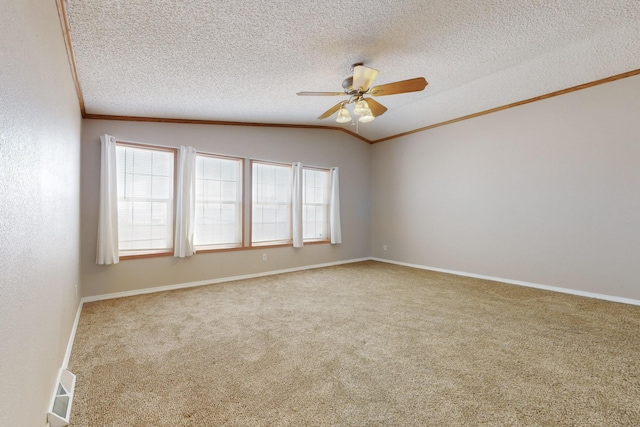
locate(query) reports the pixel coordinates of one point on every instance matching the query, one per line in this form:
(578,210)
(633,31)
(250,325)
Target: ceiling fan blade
(411,85)
(363,77)
(320,93)
(331,110)
(376,108)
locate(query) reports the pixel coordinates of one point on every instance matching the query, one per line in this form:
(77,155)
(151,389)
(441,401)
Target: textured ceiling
(244,61)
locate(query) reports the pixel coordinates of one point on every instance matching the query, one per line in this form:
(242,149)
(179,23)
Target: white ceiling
(244,61)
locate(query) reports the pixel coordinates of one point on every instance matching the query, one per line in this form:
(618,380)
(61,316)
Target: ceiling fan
(357,86)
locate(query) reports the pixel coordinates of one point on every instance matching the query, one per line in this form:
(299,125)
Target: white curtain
(334,208)
(107,250)
(296,202)
(185,203)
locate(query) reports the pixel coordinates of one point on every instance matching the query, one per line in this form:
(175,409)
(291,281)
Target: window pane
(218,201)
(211,189)
(142,161)
(229,191)
(141,185)
(228,171)
(271,203)
(145,198)
(162,165)
(228,214)
(269,230)
(257,233)
(315,212)
(269,214)
(141,213)
(160,187)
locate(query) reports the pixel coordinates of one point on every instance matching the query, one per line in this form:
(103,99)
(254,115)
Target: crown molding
(217,123)
(64,23)
(515,104)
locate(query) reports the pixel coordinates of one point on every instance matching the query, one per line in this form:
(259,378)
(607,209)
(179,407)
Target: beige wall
(39,208)
(547,193)
(312,147)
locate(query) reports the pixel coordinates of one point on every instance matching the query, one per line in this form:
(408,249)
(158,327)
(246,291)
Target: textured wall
(546,193)
(39,208)
(323,148)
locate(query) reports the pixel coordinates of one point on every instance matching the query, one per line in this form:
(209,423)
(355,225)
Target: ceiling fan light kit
(361,108)
(343,115)
(359,85)
(366,118)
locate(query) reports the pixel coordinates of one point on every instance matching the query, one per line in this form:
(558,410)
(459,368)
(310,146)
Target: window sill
(274,244)
(137,255)
(206,250)
(221,248)
(316,242)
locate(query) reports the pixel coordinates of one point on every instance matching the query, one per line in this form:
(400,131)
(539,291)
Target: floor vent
(60,409)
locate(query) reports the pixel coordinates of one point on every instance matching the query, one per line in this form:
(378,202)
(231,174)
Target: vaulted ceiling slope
(244,61)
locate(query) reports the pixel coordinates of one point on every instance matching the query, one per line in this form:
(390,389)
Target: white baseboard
(309,267)
(67,354)
(83,300)
(518,282)
(214,281)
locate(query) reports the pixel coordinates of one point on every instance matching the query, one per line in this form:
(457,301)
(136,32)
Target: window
(145,199)
(315,204)
(270,203)
(218,216)
(147,214)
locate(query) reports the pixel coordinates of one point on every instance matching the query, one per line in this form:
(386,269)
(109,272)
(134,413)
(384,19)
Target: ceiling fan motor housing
(347,84)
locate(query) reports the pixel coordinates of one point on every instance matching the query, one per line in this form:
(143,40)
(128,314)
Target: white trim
(518,282)
(67,354)
(310,267)
(214,281)
(72,336)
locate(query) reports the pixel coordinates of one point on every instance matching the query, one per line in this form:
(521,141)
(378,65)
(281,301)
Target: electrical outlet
(264,257)
(384,247)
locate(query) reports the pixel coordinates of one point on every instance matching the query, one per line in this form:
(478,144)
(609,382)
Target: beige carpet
(366,344)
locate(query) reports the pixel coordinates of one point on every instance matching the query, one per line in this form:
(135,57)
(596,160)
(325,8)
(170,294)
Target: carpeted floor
(365,344)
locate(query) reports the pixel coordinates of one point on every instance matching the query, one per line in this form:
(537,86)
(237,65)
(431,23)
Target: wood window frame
(228,247)
(151,253)
(270,243)
(327,239)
